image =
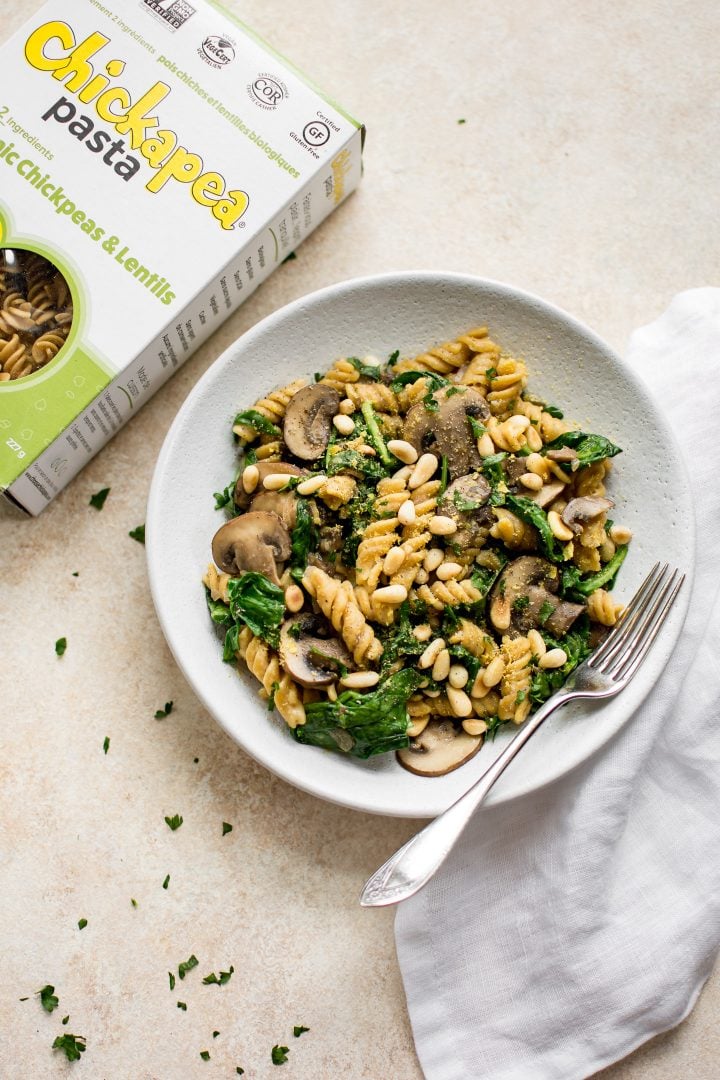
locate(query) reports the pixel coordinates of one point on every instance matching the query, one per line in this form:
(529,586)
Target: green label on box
(35,410)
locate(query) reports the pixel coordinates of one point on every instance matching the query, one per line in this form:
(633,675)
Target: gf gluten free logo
(173,13)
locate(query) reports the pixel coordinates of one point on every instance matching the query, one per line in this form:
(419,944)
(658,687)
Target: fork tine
(647,634)
(631,631)
(628,619)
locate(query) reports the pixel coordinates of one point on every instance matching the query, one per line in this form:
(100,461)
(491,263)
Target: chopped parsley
(61,646)
(219,980)
(166,882)
(174,822)
(521,603)
(393,358)
(226,828)
(162,713)
(47,998)
(299,1030)
(187,965)
(106,744)
(462,120)
(368,371)
(463,503)
(546,610)
(215,1034)
(520,696)
(98,499)
(72,1045)
(490,372)
(239,1071)
(65,1019)
(171,977)
(182,1005)
(478,429)
(133,901)
(205,1055)
(76,573)
(554,411)
(82,923)
(279,1055)
(138,534)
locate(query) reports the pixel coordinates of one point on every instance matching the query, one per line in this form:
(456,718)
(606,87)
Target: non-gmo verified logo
(217,51)
(267,91)
(173,13)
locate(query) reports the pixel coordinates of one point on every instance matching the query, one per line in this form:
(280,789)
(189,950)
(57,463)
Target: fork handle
(415,862)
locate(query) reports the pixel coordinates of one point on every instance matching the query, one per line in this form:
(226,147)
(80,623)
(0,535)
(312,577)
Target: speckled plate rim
(533,770)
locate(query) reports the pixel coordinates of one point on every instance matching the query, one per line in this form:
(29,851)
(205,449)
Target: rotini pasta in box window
(424,557)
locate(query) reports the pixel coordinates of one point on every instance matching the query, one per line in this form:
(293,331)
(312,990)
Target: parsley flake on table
(98,499)
(182,1005)
(227,827)
(239,1071)
(162,713)
(47,998)
(299,1030)
(133,902)
(82,923)
(205,1055)
(166,882)
(215,1034)
(187,965)
(72,1045)
(65,1019)
(174,822)
(279,1055)
(61,646)
(221,979)
(106,744)
(462,121)
(171,977)
(138,534)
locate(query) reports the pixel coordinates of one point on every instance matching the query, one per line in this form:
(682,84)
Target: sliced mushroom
(565,455)
(243,498)
(547,494)
(255,541)
(526,588)
(308,421)
(438,749)
(282,503)
(580,512)
(311,660)
(474,522)
(446,430)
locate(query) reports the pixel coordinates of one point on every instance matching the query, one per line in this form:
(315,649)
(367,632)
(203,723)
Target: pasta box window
(158,161)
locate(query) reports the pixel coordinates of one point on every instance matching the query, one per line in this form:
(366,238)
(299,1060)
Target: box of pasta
(157,161)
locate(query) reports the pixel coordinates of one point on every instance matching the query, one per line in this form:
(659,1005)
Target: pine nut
(422,577)
(620,534)
(417,726)
(423,632)
(425,468)
(485,445)
(448,570)
(406,513)
(360,680)
(458,676)
(294,598)
(537,464)
(331,692)
(368,451)
(441,667)
(479,689)
(537,643)
(531,480)
(494,672)
(558,527)
(606,550)
(344,424)
(431,693)
(403,474)
(474,726)
(442,526)
(432,652)
(433,559)
(460,703)
(403,450)
(346,406)
(372,361)
(390,594)
(555,469)
(500,613)
(393,561)
(311,485)
(554,658)
(534,439)
(250,477)
(276,481)
(517,424)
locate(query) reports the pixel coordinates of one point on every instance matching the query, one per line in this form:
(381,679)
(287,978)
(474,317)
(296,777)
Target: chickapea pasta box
(157,161)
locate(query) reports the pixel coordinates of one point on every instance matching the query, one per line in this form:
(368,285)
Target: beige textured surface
(587,171)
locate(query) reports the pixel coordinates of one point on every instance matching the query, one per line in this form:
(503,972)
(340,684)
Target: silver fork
(605,673)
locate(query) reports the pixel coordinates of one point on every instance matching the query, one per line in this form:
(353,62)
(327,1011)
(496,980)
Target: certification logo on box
(173,13)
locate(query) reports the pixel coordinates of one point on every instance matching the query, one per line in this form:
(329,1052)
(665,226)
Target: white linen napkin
(569,926)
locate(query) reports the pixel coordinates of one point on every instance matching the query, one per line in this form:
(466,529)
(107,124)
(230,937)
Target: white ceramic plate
(568,365)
